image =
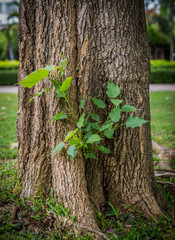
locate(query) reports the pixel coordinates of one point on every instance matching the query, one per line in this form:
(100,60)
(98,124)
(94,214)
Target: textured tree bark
(101,40)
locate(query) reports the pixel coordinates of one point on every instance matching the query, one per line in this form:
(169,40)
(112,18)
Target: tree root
(163,173)
(95,203)
(163,152)
(170,186)
(93,230)
(167,183)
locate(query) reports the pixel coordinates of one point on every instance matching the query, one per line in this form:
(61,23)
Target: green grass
(8,116)
(163,118)
(41,217)
(38,217)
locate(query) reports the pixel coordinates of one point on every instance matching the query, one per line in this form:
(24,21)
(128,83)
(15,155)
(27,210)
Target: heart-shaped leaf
(49,67)
(34,77)
(104,149)
(90,155)
(70,134)
(75,140)
(94,138)
(72,151)
(82,102)
(59,116)
(112,90)
(94,116)
(81,121)
(58,147)
(128,108)
(66,84)
(135,122)
(115,114)
(98,102)
(116,102)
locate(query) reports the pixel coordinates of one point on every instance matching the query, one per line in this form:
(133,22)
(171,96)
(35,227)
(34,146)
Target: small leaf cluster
(90,130)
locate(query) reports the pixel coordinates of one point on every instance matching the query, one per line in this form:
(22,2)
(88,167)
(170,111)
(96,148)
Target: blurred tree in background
(161,27)
(9,35)
(3,45)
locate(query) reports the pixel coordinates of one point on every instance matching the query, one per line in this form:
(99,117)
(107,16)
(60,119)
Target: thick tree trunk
(101,40)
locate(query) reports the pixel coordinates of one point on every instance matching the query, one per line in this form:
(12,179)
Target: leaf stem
(70,108)
(67,100)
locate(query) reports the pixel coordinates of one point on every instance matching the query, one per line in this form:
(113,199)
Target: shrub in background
(8,77)
(3,46)
(162,71)
(9,65)
(162,64)
(8,72)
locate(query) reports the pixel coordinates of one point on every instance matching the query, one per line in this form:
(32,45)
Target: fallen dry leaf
(14,145)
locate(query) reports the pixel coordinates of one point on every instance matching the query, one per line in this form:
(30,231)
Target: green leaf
(70,134)
(49,67)
(107,125)
(90,155)
(81,121)
(60,94)
(63,64)
(87,128)
(82,102)
(60,68)
(94,138)
(116,102)
(75,140)
(87,135)
(34,77)
(94,116)
(59,116)
(66,84)
(135,122)
(58,147)
(112,90)
(128,108)
(72,152)
(95,126)
(85,121)
(39,93)
(103,149)
(57,87)
(98,102)
(115,114)
(109,134)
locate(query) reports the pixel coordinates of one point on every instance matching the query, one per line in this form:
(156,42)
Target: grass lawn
(42,218)
(163,118)
(8,116)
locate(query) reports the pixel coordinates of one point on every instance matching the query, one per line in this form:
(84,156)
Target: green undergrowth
(38,217)
(42,218)
(163,118)
(8,116)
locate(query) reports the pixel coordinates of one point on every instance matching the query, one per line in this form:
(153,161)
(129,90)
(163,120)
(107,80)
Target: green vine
(90,131)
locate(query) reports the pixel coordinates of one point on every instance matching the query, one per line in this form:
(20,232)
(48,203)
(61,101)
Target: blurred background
(160,18)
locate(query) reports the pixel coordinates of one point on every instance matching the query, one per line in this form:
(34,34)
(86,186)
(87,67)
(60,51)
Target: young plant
(89,131)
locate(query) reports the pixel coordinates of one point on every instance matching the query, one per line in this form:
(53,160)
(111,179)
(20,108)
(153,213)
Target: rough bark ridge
(101,40)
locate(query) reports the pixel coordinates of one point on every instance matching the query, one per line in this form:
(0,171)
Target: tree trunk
(101,40)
